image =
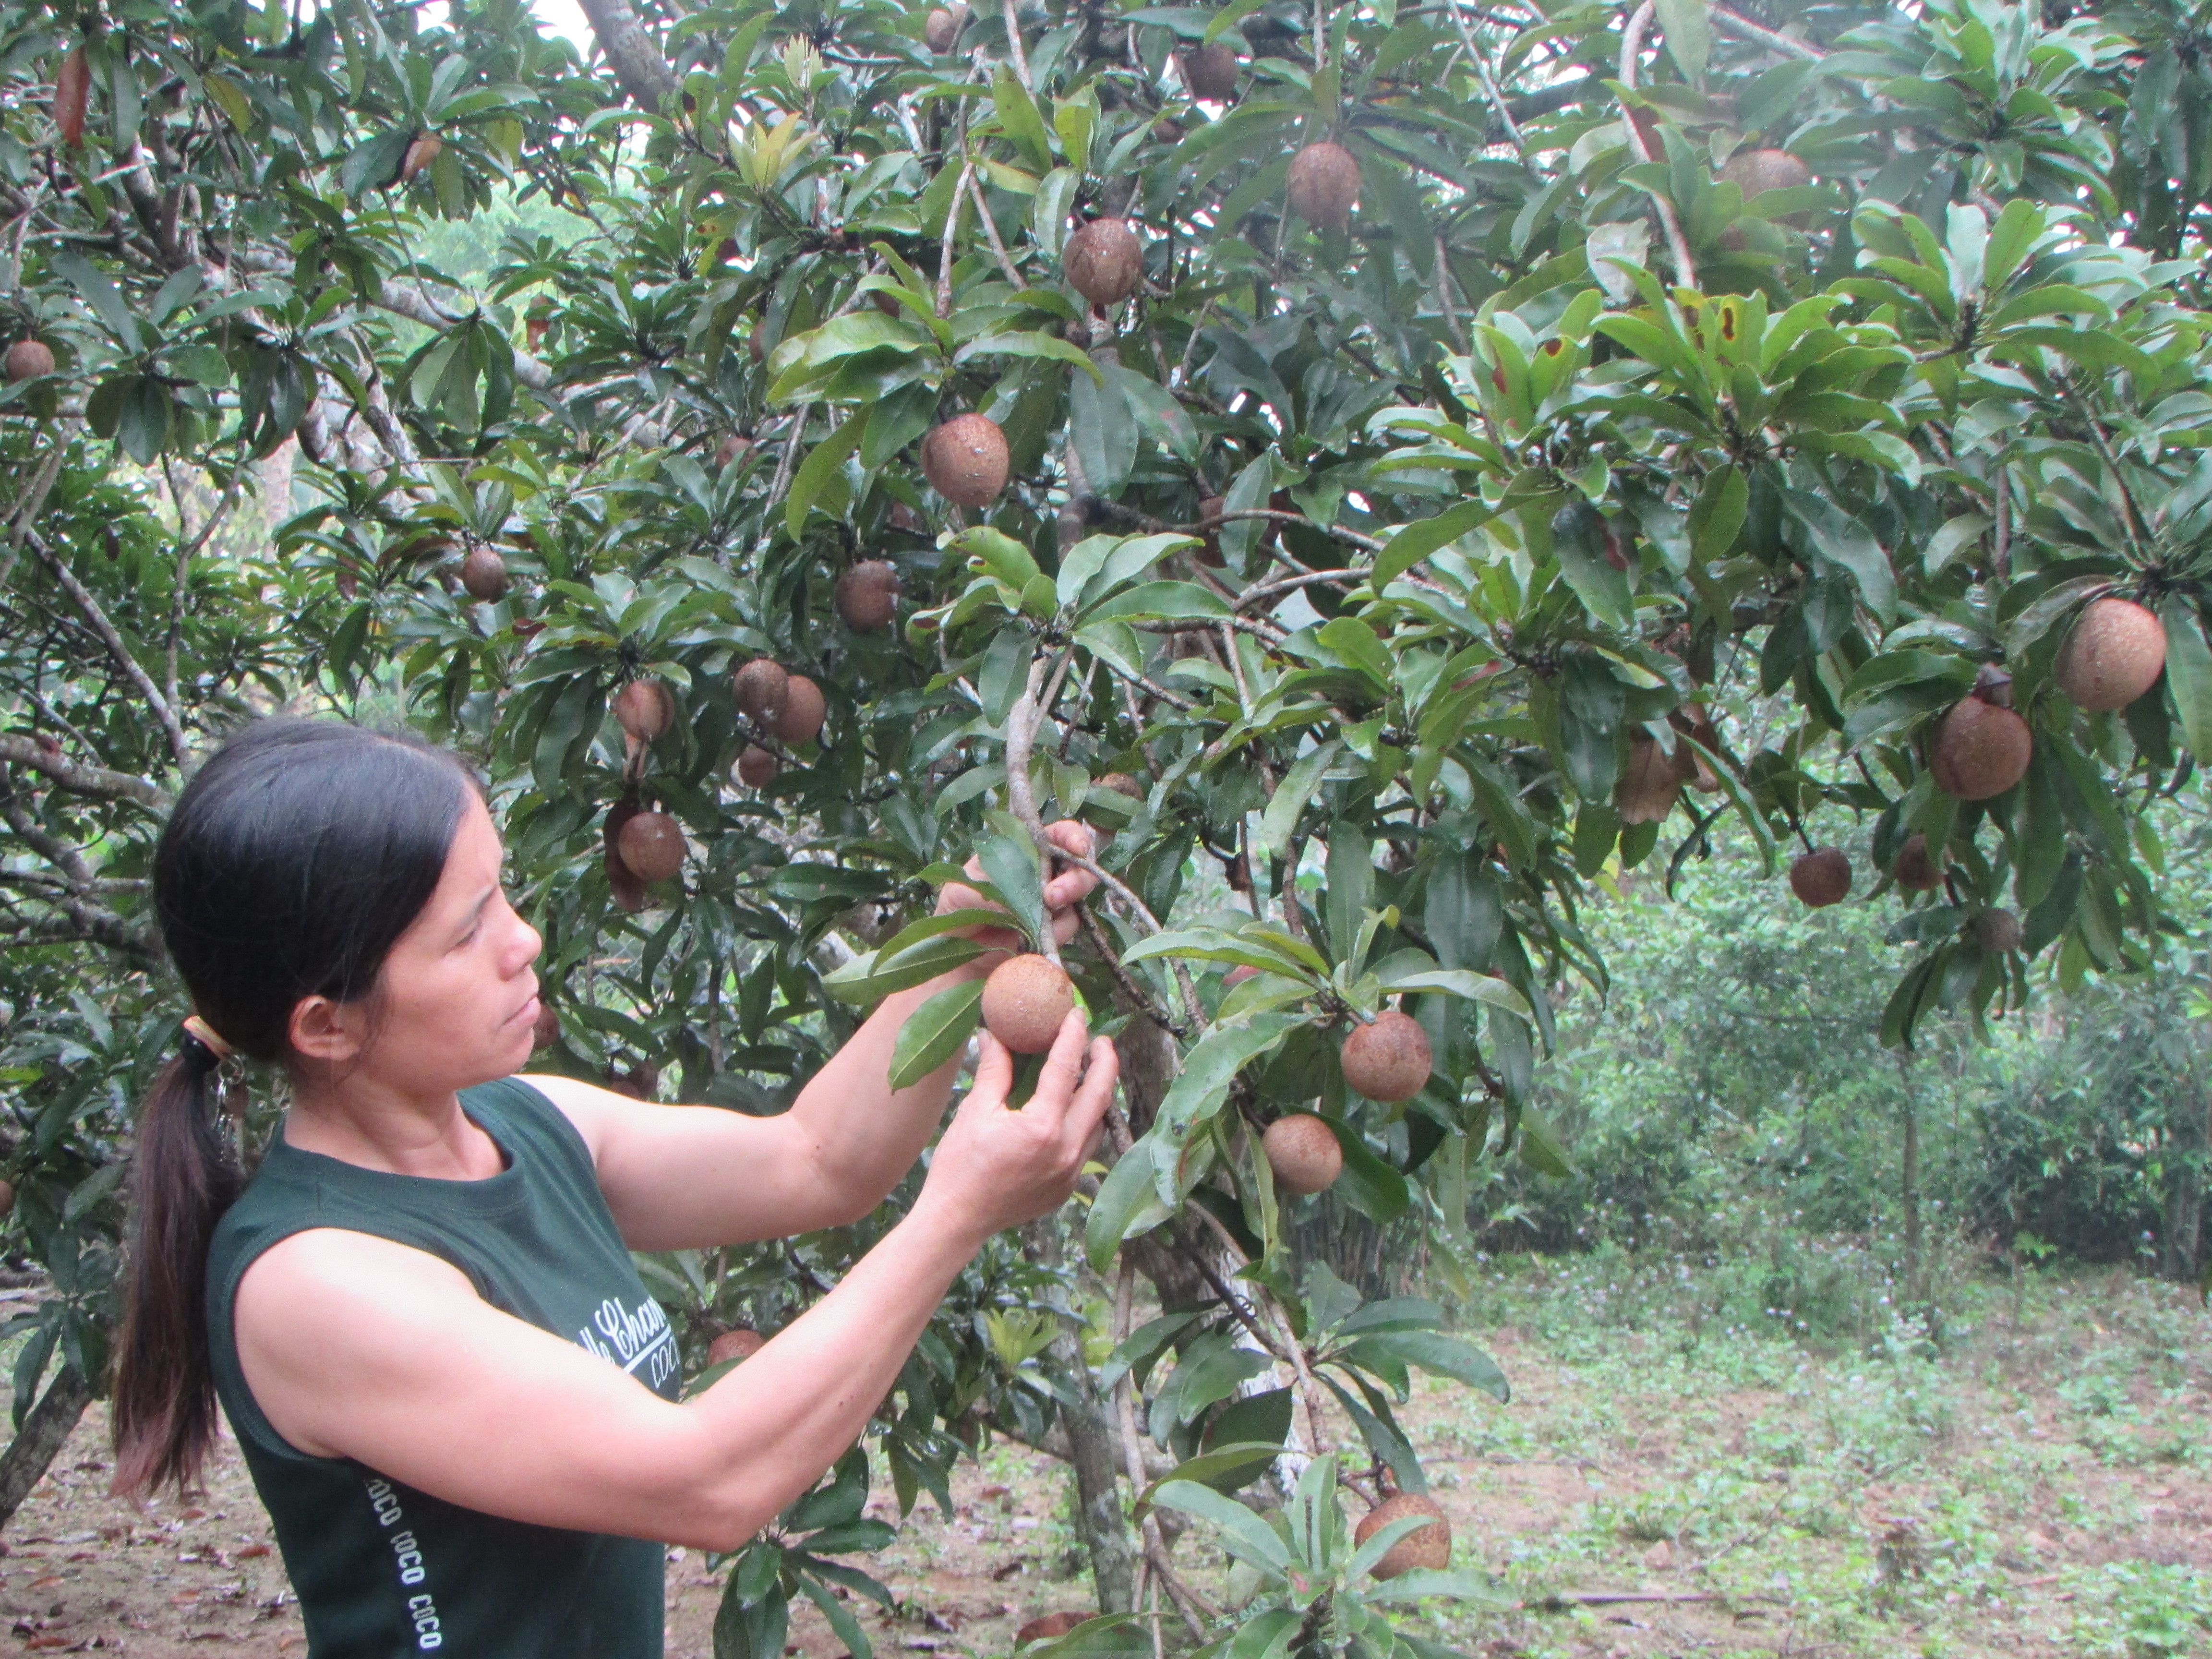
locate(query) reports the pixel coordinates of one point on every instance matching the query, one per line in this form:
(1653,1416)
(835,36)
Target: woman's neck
(375,1129)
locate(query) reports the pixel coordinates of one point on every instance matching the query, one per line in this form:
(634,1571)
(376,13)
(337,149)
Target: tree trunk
(1094,1450)
(1911,1185)
(44,1429)
(2184,1192)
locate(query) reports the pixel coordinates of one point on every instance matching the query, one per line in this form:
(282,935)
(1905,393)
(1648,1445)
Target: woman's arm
(359,1347)
(685,1177)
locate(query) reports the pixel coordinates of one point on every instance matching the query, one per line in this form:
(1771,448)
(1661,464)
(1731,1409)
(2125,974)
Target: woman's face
(458,996)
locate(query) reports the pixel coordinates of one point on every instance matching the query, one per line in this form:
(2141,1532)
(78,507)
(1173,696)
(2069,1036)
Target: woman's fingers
(1063,1064)
(1071,885)
(1088,1110)
(995,1069)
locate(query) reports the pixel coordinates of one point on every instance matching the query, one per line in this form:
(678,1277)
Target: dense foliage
(1408,561)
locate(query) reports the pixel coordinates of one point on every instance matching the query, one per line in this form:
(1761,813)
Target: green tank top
(380,1569)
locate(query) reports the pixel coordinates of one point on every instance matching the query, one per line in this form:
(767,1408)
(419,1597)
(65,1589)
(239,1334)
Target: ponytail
(184,1176)
(293,861)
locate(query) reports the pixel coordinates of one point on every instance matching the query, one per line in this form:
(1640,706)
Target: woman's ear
(326,1031)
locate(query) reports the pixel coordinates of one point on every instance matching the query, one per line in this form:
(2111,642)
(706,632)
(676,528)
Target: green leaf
(2189,673)
(1462,983)
(878,975)
(1197,1090)
(1293,796)
(814,473)
(1244,1534)
(1689,36)
(1459,1583)
(1446,1355)
(935,1032)
(1127,1205)
(1578,543)
(1417,541)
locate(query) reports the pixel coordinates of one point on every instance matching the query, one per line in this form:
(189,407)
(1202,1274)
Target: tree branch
(95,781)
(636,61)
(116,648)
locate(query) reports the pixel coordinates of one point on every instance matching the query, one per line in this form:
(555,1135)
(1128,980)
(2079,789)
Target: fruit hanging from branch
(1426,1548)
(652,845)
(2115,653)
(646,709)
(1104,261)
(1324,184)
(867,594)
(965,460)
(1980,748)
(483,574)
(27,359)
(1821,877)
(1388,1058)
(759,688)
(1025,1001)
(1303,1153)
(800,719)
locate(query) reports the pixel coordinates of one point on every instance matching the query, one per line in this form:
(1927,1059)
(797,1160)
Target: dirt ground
(2036,1489)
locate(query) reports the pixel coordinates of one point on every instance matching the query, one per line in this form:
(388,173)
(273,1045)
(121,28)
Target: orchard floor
(1658,1487)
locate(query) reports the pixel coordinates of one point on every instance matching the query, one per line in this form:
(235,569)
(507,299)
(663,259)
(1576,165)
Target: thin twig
(1122,977)
(1014,49)
(1631,45)
(1746,29)
(991,231)
(116,648)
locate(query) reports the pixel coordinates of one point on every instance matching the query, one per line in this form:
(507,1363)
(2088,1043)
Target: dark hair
(294,861)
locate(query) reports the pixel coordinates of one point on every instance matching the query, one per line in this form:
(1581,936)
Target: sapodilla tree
(1579,437)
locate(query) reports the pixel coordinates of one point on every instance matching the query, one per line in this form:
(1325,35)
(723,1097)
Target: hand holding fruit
(998,1168)
(1062,892)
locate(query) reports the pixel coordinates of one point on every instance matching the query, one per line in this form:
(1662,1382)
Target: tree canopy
(1433,457)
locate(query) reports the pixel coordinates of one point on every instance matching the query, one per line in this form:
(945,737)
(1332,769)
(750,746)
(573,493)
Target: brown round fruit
(653,846)
(734,447)
(1979,749)
(1324,184)
(759,688)
(743,1343)
(646,709)
(7,1198)
(1998,932)
(1104,261)
(803,711)
(545,1030)
(2114,655)
(1211,72)
(483,573)
(1822,878)
(965,460)
(1388,1059)
(757,766)
(1048,1628)
(941,30)
(28,359)
(867,596)
(1914,870)
(1428,1547)
(1304,1152)
(420,154)
(1755,172)
(1024,1002)
(1652,782)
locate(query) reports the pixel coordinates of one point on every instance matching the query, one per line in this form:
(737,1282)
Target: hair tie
(202,1047)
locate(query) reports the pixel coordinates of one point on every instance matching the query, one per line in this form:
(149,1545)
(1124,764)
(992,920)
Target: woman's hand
(996,1167)
(1062,892)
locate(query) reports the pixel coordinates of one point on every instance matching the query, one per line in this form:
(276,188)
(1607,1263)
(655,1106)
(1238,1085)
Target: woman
(455,1396)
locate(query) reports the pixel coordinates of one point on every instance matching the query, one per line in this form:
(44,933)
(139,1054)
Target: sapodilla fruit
(1324,184)
(28,359)
(2113,655)
(1755,172)
(1822,878)
(1979,749)
(757,766)
(646,709)
(653,846)
(483,573)
(1303,1153)
(1428,1547)
(1210,72)
(965,460)
(7,1198)
(760,687)
(867,595)
(1104,261)
(1914,870)
(1024,1001)
(734,447)
(1998,932)
(803,711)
(623,884)
(1388,1059)
(1049,1627)
(743,1343)
(72,96)
(420,154)
(545,1030)
(941,30)
(1650,783)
